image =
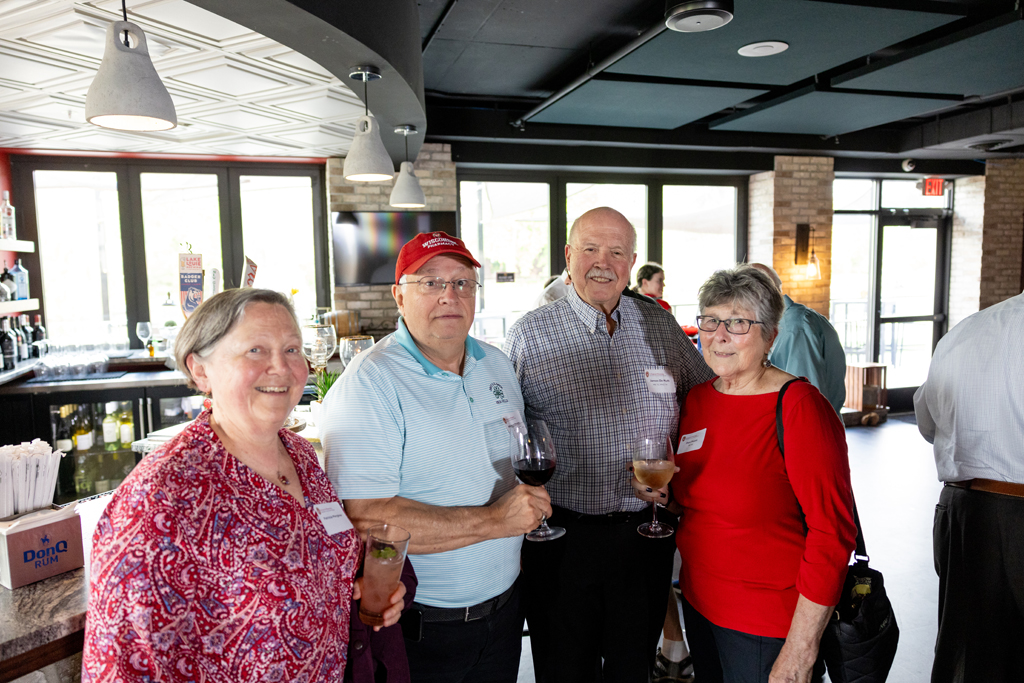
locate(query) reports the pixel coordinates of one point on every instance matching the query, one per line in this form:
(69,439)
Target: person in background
(225,555)
(601,369)
(414,434)
(650,281)
(555,288)
(808,346)
(971,408)
(765,536)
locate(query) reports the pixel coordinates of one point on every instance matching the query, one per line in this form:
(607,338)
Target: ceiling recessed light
(765,48)
(699,15)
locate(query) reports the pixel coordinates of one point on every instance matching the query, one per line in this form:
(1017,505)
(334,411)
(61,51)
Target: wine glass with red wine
(534,461)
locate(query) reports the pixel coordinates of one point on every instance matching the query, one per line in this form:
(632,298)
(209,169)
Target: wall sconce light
(127,93)
(804,235)
(367,159)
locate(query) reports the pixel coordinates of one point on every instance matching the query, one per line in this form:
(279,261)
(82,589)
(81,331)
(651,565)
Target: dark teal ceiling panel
(641,105)
(821,35)
(828,113)
(969,63)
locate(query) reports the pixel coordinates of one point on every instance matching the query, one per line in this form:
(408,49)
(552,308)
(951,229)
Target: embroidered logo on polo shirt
(499,393)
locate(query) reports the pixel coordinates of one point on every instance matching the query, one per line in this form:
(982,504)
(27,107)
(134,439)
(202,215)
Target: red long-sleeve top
(746,553)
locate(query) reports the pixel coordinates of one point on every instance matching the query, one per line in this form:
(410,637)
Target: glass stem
(654,511)
(543,522)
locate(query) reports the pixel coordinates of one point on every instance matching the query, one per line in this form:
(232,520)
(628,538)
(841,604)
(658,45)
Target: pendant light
(127,94)
(367,160)
(407,193)
(813,264)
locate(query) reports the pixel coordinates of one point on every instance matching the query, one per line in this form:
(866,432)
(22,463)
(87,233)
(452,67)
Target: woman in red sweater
(765,539)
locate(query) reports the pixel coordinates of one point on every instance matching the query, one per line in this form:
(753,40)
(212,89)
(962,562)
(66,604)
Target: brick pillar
(1003,240)
(965,256)
(799,190)
(436,172)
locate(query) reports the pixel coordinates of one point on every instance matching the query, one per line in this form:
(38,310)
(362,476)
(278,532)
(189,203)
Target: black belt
(607,518)
(472,613)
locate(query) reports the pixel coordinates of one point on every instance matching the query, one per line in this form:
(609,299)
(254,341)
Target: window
(698,238)
(79,233)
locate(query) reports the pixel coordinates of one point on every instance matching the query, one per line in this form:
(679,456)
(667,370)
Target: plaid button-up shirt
(590,388)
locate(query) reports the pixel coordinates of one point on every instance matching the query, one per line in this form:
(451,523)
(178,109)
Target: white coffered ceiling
(236,92)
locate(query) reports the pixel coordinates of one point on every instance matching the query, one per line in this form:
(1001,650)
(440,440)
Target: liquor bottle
(111,428)
(8,344)
(20,274)
(8,279)
(64,442)
(8,230)
(38,335)
(19,339)
(127,426)
(26,331)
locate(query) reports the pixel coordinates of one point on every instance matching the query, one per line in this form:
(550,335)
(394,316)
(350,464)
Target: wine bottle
(19,339)
(38,335)
(20,274)
(8,230)
(83,430)
(111,428)
(8,345)
(26,331)
(64,442)
(127,425)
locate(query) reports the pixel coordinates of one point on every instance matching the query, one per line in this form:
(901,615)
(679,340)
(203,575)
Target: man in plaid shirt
(601,369)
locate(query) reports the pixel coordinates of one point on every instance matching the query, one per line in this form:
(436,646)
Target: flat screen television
(366,244)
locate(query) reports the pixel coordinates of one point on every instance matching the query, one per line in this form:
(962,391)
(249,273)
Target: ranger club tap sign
(190,277)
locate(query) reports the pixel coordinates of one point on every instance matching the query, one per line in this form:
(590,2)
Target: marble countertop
(45,611)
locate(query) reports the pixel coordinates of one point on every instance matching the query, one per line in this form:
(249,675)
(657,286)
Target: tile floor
(896,488)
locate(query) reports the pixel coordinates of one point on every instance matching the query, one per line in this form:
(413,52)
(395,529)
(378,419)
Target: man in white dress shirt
(972,409)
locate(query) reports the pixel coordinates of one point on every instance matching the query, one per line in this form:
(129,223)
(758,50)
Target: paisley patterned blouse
(203,571)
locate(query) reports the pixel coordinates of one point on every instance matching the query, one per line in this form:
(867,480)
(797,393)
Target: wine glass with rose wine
(534,459)
(653,466)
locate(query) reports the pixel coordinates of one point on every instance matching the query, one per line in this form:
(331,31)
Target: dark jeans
(978,540)
(480,651)
(722,655)
(600,591)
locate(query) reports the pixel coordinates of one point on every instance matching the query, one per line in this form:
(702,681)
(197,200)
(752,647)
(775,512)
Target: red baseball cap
(426,246)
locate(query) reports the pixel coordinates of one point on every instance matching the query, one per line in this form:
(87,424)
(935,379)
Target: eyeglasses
(464,287)
(732,326)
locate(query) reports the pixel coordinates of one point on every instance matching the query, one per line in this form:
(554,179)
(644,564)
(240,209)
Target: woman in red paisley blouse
(225,556)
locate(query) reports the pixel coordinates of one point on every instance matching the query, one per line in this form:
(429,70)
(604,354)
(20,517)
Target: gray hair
(575,224)
(215,318)
(749,287)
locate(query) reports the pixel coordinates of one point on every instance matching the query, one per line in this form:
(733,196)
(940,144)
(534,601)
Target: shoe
(666,671)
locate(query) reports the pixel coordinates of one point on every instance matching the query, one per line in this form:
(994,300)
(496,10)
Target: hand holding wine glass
(534,459)
(653,466)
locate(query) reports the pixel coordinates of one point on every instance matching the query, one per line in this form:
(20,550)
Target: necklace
(283,479)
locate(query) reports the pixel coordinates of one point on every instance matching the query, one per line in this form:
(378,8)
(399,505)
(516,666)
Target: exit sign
(934,187)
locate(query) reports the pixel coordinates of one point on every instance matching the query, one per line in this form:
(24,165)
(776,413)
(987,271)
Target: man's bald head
(604,215)
(770,272)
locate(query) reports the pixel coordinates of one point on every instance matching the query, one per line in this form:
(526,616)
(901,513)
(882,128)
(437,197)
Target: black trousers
(978,541)
(599,592)
(723,655)
(480,651)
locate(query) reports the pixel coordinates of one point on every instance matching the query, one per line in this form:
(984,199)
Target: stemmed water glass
(351,347)
(534,459)
(144,331)
(318,345)
(653,465)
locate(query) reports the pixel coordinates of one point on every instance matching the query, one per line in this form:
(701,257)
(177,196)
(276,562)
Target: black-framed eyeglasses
(464,287)
(732,325)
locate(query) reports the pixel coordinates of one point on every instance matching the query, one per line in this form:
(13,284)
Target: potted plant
(322,384)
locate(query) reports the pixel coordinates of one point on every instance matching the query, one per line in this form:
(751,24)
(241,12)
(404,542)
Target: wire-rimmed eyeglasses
(732,325)
(464,287)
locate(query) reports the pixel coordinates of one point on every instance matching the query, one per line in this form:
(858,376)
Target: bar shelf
(18,306)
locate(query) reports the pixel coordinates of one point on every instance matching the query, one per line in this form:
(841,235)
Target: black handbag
(859,643)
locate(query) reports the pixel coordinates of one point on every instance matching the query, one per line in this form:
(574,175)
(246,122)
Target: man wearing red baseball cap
(415,432)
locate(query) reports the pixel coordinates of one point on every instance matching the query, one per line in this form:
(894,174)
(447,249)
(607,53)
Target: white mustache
(601,272)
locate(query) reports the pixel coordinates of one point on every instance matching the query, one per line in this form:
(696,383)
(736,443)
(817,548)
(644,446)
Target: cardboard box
(38,545)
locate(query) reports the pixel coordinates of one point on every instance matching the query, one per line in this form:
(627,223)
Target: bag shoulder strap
(861,551)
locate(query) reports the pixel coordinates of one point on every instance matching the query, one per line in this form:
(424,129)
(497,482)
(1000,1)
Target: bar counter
(44,622)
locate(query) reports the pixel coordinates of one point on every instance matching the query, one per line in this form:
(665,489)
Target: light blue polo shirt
(395,424)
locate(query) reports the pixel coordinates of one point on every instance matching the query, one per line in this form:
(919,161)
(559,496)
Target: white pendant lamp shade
(407,193)
(127,93)
(367,160)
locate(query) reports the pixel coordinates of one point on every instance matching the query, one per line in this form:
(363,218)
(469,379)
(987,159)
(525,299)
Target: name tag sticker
(691,442)
(333,518)
(659,381)
(514,422)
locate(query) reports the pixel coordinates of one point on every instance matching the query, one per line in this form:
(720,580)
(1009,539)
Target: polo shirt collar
(404,338)
(786,302)
(590,316)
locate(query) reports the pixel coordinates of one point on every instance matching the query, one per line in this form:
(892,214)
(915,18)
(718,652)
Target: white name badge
(514,422)
(691,442)
(659,381)
(333,518)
